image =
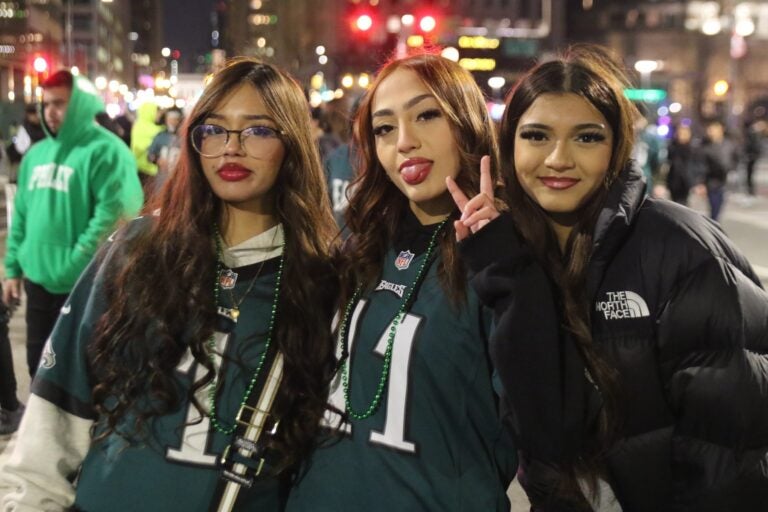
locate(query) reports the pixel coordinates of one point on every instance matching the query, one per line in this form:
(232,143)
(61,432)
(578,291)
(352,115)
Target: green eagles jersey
(174,467)
(436,442)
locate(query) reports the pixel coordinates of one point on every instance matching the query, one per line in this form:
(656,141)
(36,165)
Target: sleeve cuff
(498,239)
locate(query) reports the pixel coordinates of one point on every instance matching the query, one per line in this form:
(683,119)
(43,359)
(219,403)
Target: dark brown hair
(164,280)
(377,206)
(591,73)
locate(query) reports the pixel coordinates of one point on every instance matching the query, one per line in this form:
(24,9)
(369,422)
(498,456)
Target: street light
(645,68)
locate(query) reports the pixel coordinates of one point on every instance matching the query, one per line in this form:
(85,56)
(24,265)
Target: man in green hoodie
(74,186)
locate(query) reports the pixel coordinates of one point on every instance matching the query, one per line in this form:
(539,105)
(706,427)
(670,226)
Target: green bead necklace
(211,345)
(404,306)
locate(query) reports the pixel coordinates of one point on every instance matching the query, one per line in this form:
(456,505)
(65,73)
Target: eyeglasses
(211,140)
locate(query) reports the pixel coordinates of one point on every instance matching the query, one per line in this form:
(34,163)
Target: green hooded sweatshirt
(142,133)
(73,188)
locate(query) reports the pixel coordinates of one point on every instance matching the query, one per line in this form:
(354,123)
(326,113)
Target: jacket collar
(625,197)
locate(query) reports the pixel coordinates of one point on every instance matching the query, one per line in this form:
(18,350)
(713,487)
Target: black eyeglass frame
(280,134)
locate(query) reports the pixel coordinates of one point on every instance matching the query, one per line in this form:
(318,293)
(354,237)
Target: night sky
(187,27)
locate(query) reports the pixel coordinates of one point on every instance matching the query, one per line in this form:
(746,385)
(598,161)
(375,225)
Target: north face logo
(622,305)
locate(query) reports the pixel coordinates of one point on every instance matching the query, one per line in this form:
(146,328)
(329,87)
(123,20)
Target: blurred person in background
(143,132)
(648,151)
(327,140)
(683,164)
(11,409)
(718,158)
(74,187)
(28,133)
(339,171)
(166,146)
(753,146)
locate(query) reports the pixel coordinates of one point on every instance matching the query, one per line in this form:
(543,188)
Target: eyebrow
(407,105)
(247,117)
(582,126)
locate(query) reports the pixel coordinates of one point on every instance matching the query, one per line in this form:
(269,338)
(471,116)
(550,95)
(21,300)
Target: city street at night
(384,255)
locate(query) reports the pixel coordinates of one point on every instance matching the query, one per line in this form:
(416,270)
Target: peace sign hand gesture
(478,211)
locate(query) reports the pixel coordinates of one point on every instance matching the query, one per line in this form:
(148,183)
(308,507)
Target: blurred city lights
(496,82)
(317,80)
(165,52)
(450,53)
(347,81)
(113,110)
(427,23)
(720,88)
(364,22)
(662,111)
(323,59)
(320,50)
(407,20)
(40,64)
(711,26)
(675,107)
(646,66)
(662,130)
(364,80)
(393,24)
(744,27)
(74,70)
(100,82)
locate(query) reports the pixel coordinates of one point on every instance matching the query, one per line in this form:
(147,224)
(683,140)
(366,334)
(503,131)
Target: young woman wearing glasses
(198,344)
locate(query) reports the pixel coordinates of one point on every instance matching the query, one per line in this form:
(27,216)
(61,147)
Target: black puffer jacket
(683,317)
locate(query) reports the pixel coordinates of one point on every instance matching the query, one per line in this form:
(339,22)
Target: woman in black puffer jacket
(631,335)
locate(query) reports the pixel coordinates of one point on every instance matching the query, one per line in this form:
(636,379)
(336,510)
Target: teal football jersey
(436,442)
(174,467)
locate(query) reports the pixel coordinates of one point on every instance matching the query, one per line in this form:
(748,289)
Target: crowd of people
(497,302)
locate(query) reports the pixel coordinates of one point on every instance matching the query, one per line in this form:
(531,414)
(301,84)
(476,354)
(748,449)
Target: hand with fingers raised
(478,211)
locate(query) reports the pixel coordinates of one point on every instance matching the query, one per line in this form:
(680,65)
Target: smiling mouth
(558,183)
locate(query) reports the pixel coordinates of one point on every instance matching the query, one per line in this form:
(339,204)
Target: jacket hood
(84,103)
(146,113)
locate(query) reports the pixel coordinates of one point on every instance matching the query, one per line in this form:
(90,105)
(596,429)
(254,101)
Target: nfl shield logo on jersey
(227,279)
(403,260)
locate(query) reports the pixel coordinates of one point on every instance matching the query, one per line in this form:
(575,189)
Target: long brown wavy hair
(590,72)
(163,282)
(377,206)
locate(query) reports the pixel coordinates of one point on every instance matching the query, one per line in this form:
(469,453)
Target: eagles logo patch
(48,357)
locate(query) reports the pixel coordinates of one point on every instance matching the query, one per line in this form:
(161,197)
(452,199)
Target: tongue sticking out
(415,174)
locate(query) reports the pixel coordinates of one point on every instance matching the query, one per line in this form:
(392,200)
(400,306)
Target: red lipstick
(233,172)
(415,170)
(558,182)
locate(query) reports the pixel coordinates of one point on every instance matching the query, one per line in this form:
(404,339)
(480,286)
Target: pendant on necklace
(234,313)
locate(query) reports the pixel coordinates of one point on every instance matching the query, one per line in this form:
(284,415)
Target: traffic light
(363,22)
(41,66)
